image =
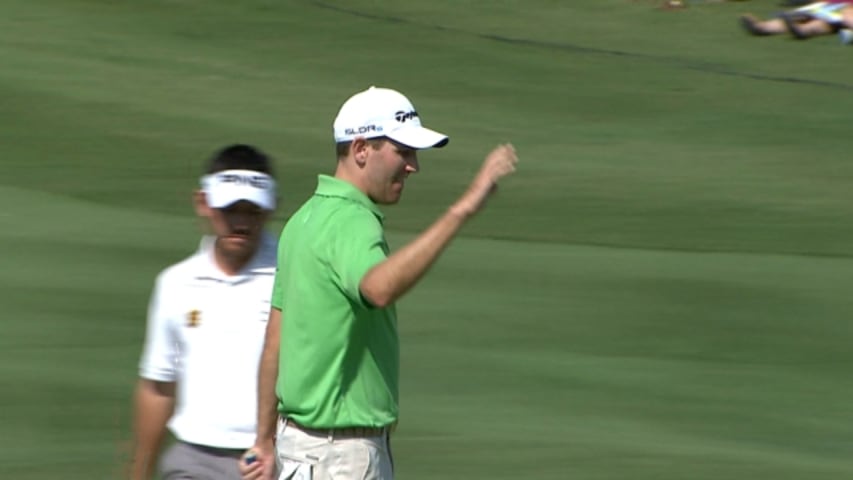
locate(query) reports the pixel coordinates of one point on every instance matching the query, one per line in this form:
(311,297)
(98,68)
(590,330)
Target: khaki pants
(310,455)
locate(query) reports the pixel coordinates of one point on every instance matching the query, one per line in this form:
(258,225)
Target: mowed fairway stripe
(672,356)
(665,60)
(595,360)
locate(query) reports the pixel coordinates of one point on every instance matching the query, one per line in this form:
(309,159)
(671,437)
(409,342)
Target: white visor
(230,186)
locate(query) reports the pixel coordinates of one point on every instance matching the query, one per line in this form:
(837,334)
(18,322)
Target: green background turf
(660,292)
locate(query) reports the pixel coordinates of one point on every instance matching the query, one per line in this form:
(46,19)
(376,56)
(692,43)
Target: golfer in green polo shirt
(328,378)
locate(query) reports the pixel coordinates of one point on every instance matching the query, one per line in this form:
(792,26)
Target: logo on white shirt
(193,318)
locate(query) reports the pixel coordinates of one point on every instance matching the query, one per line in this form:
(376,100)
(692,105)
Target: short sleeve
(358,246)
(277,294)
(160,351)
(277,291)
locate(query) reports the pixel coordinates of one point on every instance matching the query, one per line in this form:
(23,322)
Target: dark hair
(342,148)
(240,157)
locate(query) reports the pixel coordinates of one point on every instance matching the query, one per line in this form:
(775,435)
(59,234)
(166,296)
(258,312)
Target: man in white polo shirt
(205,332)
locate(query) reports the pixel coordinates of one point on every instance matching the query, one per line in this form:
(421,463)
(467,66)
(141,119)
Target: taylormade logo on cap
(382,112)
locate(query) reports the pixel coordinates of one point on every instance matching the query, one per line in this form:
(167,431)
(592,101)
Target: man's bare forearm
(392,278)
(154,404)
(267,376)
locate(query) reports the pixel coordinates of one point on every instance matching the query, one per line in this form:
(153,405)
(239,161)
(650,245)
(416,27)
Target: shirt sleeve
(358,246)
(160,351)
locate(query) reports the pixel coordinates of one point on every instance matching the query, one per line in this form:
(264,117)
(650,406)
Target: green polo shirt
(339,358)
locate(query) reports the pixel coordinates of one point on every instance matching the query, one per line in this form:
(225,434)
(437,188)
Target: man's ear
(359,149)
(202,209)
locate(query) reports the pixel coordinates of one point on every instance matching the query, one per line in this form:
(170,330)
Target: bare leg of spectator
(807,29)
(758,27)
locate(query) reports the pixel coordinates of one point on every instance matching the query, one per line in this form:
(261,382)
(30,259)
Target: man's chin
(394,195)
(237,244)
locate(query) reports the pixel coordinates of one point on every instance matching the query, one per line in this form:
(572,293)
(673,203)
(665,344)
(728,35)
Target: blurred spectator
(811,20)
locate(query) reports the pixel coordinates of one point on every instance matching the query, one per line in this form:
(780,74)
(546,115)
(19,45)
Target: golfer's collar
(262,263)
(328,186)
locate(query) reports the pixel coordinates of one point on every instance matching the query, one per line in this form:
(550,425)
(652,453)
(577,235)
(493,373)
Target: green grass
(660,292)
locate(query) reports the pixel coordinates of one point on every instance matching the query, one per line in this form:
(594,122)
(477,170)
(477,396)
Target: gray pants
(183,461)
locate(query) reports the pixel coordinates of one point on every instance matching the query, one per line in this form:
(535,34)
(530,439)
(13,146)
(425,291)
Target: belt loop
(331,435)
(282,424)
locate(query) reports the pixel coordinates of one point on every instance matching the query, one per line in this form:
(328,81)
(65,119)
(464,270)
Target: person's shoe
(750,24)
(793,27)
(845,35)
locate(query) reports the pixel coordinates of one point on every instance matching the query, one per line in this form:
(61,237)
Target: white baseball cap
(382,112)
(231,186)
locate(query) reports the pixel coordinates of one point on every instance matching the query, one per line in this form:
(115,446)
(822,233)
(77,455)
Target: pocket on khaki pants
(295,470)
(361,458)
